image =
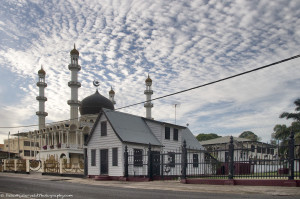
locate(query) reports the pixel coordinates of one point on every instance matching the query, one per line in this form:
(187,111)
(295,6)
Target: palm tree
(294,116)
(281,132)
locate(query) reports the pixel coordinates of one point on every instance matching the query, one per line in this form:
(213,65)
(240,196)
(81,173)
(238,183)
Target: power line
(217,81)
(182,91)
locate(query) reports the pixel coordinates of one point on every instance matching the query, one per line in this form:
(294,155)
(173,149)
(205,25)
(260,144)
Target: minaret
(41,98)
(112,96)
(74,85)
(148,92)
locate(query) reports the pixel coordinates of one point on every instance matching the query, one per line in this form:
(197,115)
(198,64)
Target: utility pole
(8,146)
(19,144)
(176,105)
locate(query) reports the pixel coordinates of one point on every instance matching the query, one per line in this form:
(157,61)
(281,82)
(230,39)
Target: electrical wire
(182,91)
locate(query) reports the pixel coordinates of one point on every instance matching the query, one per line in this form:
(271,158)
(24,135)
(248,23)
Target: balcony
(71,102)
(41,84)
(41,113)
(61,146)
(41,98)
(74,67)
(74,84)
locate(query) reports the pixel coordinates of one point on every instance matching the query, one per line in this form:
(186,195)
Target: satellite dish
(96,83)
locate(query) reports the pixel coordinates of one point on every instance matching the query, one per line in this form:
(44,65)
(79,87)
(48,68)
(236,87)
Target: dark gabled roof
(164,123)
(131,128)
(128,128)
(191,141)
(134,129)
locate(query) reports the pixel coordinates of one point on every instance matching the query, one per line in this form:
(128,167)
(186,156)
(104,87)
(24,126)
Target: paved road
(10,185)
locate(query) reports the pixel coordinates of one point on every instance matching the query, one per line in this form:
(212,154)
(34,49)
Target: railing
(235,163)
(62,146)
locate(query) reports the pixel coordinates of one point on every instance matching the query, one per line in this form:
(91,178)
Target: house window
(103,128)
(167,133)
(175,134)
(171,159)
(138,158)
(115,156)
(93,157)
(26,143)
(26,153)
(195,160)
(252,148)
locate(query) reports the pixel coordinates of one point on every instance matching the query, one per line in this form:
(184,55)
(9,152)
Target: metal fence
(229,162)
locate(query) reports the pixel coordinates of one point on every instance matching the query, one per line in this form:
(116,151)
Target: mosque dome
(93,104)
(111,92)
(41,72)
(74,51)
(148,80)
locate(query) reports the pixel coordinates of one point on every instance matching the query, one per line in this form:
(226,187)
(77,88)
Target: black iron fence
(235,160)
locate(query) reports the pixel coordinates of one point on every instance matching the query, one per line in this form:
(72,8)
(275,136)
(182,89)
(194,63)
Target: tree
(249,135)
(294,116)
(282,132)
(202,136)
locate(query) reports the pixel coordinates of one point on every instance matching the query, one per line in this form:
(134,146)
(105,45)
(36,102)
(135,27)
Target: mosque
(66,139)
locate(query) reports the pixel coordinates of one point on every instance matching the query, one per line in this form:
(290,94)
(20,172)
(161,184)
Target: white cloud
(181,44)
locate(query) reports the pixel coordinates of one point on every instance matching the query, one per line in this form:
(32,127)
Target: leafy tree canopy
(202,136)
(282,132)
(249,135)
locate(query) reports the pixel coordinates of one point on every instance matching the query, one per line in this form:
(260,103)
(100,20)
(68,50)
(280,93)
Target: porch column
(59,139)
(68,137)
(55,139)
(52,135)
(81,139)
(76,138)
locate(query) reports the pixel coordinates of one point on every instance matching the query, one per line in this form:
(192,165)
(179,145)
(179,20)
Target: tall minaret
(41,98)
(148,92)
(74,85)
(112,96)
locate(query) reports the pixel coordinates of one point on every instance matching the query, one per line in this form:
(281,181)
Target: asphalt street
(22,186)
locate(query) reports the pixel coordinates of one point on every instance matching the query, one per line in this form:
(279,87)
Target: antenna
(176,105)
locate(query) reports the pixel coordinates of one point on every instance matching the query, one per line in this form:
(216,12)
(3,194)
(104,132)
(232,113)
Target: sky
(179,43)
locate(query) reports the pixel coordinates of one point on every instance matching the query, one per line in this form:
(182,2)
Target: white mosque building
(66,139)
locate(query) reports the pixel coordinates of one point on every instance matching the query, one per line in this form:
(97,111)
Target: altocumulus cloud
(180,44)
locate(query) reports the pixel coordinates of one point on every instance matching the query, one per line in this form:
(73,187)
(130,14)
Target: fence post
(43,166)
(27,166)
(61,166)
(230,159)
(183,161)
(4,167)
(150,171)
(126,162)
(85,157)
(15,163)
(291,156)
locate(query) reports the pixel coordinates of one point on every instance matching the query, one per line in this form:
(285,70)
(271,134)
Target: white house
(113,131)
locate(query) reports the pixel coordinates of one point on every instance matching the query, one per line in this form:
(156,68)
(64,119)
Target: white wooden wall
(99,142)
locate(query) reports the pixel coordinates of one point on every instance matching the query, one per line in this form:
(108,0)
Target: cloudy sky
(181,44)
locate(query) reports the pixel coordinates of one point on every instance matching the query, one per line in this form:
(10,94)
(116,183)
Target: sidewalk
(170,185)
